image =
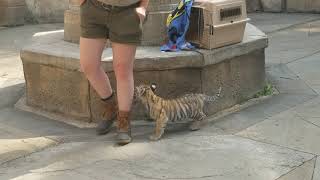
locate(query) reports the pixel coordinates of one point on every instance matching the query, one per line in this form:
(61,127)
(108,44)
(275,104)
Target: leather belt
(109,7)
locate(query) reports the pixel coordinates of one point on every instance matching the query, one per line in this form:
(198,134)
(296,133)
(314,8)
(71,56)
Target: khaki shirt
(119,2)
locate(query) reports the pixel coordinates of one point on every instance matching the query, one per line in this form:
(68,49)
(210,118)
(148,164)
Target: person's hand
(142,12)
(81,2)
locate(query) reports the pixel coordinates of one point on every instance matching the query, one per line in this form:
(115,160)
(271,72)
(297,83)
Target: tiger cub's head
(142,92)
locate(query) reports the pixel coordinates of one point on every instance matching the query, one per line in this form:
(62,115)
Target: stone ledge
(147,58)
(54,82)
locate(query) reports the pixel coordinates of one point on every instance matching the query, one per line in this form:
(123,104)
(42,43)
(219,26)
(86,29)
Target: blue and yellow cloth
(178,24)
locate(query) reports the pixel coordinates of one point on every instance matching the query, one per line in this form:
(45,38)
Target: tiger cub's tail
(213,98)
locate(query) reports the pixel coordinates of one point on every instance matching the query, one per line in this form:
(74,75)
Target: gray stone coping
(50,49)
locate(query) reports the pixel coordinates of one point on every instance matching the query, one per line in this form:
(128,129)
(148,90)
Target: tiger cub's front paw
(154,137)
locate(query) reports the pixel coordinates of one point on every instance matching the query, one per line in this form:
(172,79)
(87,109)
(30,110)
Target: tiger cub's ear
(153,87)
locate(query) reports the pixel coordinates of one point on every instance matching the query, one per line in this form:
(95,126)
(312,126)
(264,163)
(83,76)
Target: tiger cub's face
(142,91)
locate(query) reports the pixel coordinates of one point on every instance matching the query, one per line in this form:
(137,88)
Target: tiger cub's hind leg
(161,124)
(196,124)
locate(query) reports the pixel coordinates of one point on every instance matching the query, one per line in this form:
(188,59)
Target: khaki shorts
(119,24)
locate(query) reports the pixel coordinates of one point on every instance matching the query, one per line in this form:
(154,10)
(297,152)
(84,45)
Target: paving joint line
(291,26)
(303,119)
(29,154)
(296,167)
(303,57)
(284,147)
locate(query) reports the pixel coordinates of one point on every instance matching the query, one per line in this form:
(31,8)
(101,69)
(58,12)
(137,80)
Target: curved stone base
(12,12)
(54,81)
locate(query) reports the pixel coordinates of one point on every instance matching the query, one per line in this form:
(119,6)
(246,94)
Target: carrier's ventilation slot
(230,13)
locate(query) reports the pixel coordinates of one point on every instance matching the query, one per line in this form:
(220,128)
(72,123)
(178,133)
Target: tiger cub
(162,110)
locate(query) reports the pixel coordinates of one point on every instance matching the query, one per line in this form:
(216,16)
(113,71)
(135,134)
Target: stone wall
(12,12)
(303,5)
(55,83)
(283,5)
(45,11)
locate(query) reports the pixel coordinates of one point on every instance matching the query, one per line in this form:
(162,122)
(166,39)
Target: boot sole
(122,143)
(104,132)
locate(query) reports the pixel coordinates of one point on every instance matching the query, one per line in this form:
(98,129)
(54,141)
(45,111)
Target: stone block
(296,5)
(46,11)
(57,90)
(72,26)
(12,12)
(12,3)
(253,5)
(55,83)
(74,4)
(154,29)
(240,78)
(303,5)
(171,84)
(272,5)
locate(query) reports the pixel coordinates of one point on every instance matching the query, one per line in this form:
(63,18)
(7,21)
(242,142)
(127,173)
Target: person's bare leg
(123,59)
(90,61)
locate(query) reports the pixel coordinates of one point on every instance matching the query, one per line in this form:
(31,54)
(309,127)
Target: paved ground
(276,139)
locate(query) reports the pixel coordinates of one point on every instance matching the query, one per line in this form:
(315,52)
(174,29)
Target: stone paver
(260,112)
(311,76)
(286,81)
(316,174)
(291,45)
(272,22)
(287,130)
(196,157)
(303,172)
(10,91)
(309,109)
(15,148)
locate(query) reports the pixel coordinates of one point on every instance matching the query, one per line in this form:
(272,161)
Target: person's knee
(88,68)
(122,71)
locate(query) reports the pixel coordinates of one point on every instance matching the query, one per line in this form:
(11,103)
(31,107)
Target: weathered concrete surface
(311,77)
(235,78)
(272,22)
(287,81)
(11,90)
(316,174)
(45,82)
(309,110)
(12,12)
(272,5)
(241,120)
(175,73)
(303,6)
(46,11)
(16,148)
(282,130)
(303,172)
(179,158)
(284,46)
(253,5)
(72,26)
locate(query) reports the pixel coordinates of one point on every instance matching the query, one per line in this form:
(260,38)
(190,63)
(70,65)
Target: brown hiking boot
(124,129)
(109,115)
